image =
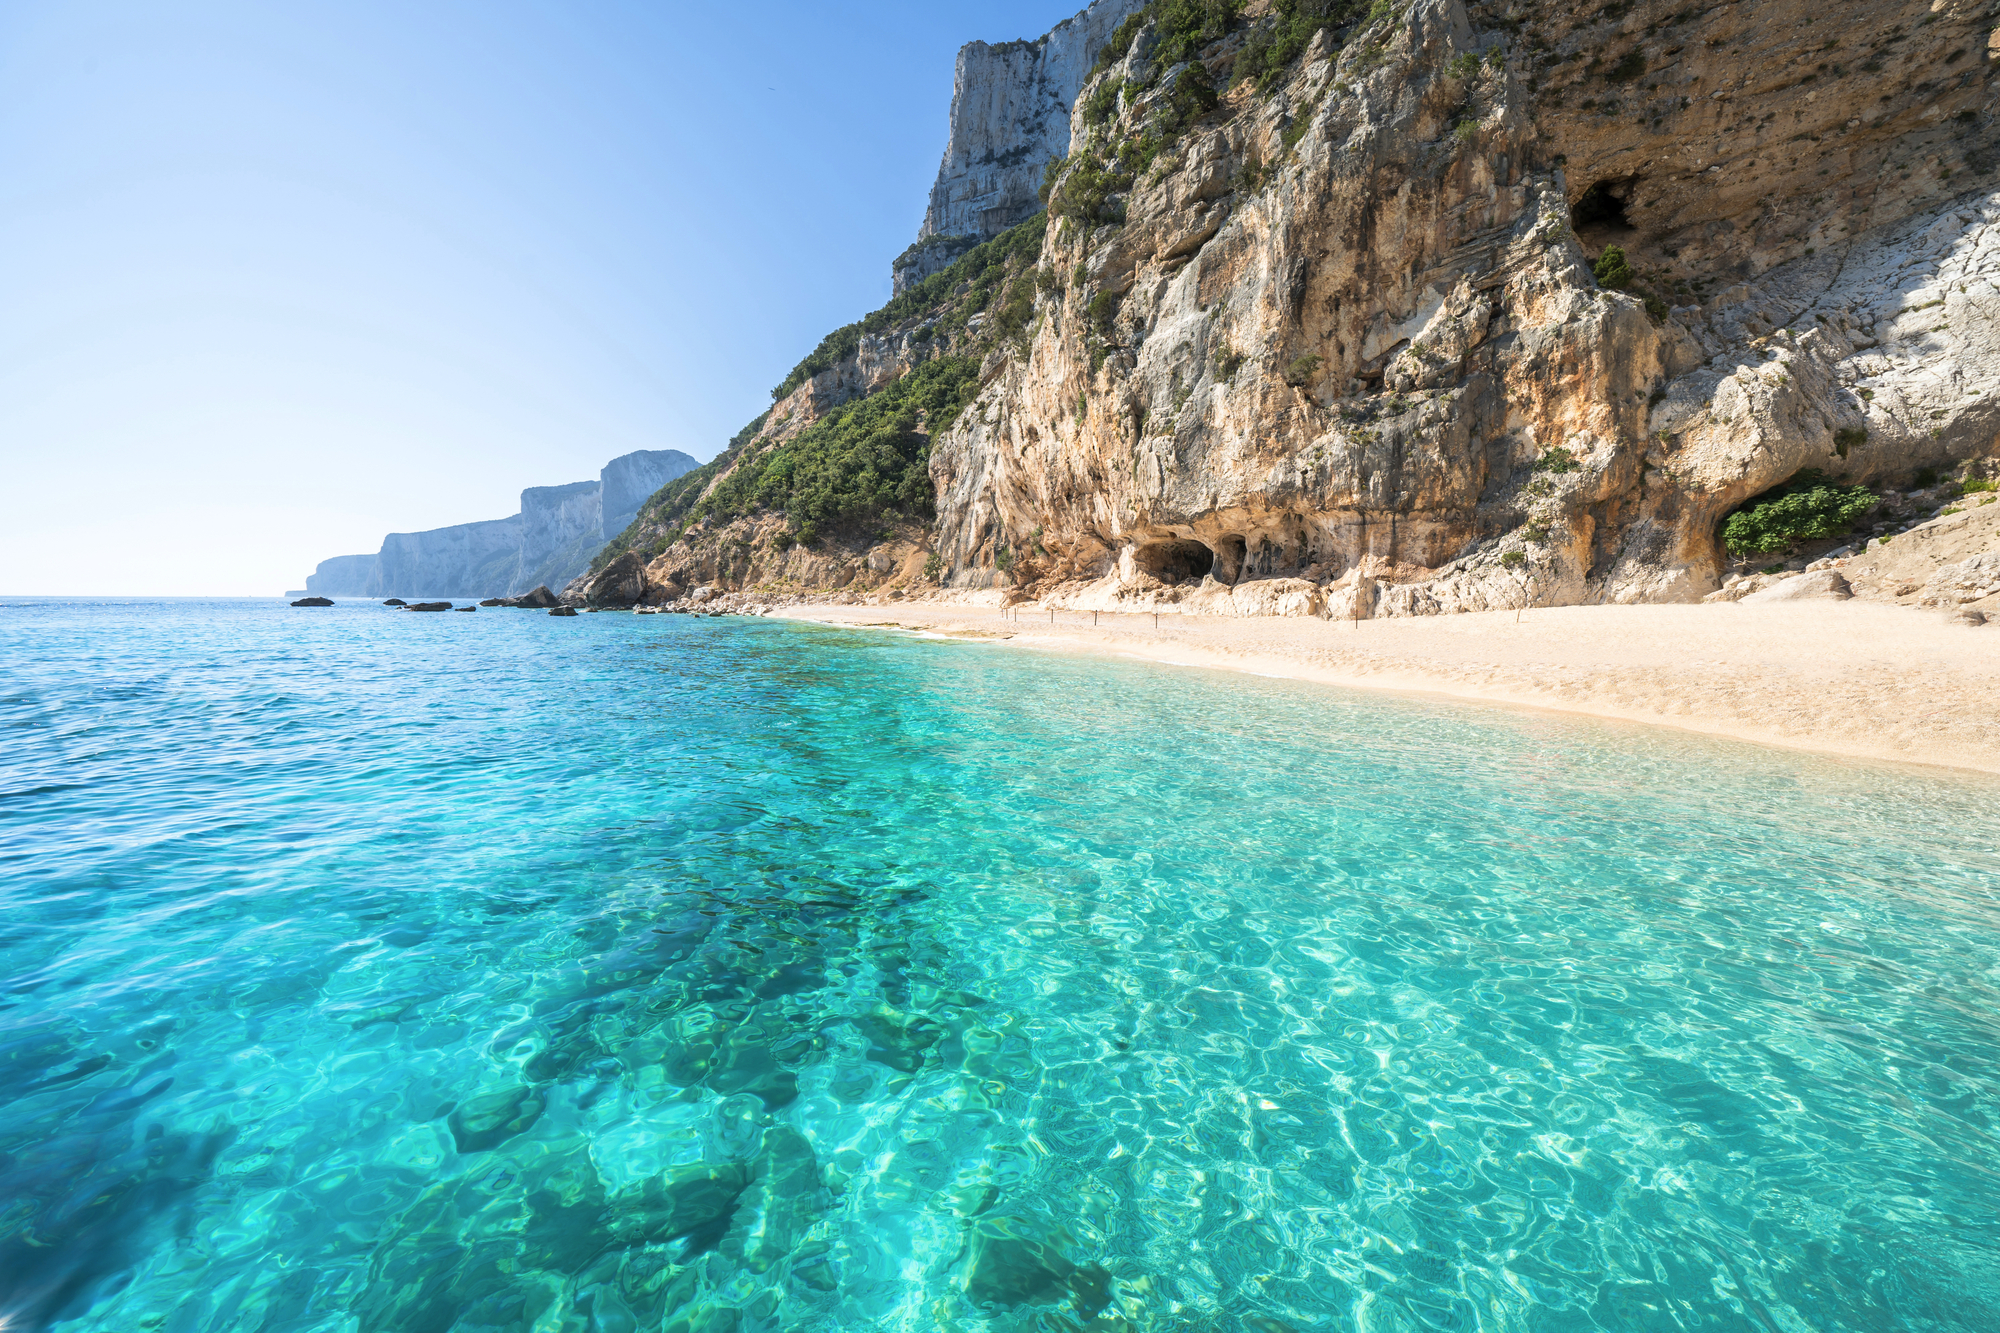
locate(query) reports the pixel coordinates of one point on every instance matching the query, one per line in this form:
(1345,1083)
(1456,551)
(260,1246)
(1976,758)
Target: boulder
(1966,615)
(494,601)
(395,601)
(538,600)
(1820,585)
(428,606)
(465,608)
(562,611)
(620,583)
(312,601)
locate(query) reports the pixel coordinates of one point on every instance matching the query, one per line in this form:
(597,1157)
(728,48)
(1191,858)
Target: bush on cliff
(1806,508)
(1292,25)
(858,462)
(981,266)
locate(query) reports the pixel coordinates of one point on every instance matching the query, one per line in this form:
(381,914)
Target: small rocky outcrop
(563,611)
(428,606)
(620,583)
(465,608)
(1820,585)
(539,600)
(312,601)
(494,601)
(395,601)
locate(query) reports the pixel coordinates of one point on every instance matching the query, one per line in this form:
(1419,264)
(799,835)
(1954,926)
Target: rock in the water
(312,601)
(494,601)
(538,600)
(488,1119)
(1821,585)
(620,583)
(428,606)
(395,601)
(562,611)
(465,608)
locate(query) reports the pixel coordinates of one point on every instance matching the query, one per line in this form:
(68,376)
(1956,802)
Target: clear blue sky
(278,278)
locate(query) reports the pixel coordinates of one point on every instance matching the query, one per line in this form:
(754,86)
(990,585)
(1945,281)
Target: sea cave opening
(1174,561)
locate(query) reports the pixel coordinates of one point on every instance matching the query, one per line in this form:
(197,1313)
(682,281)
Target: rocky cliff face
(1345,350)
(1348,336)
(1010,111)
(550,541)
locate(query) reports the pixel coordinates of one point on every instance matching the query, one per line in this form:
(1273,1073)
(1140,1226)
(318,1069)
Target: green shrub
(1513,560)
(1537,532)
(1806,508)
(1300,372)
(1849,437)
(1974,486)
(1103,309)
(981,264)
(1085,194)
(1102,102)
(1227,362)
(1120,42)
(1655,307)
(1611,270)
(1556,459)
(1284,36)
(1192,98)
(933,566)
(1051,172)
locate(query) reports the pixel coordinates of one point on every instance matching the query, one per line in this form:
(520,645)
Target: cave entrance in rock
(1598,217)
(1174,561)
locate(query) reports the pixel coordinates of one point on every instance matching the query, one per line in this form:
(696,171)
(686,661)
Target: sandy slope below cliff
(1851,678)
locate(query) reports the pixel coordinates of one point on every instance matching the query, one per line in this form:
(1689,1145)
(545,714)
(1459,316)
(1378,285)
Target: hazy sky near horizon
(278,279)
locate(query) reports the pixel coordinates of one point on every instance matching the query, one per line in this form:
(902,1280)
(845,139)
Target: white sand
(1851,678)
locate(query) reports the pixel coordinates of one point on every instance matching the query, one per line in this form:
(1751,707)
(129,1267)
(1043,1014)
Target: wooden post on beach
(1156,620)
(1052,615)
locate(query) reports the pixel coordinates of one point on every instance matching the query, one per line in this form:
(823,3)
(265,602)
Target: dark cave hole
(1602,206)
(1174,562)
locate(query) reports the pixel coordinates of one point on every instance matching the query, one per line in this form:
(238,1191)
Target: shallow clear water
(367,971)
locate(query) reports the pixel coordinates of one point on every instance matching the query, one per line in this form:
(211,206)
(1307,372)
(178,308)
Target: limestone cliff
(1341,341)
(550,541)
(1010,107)
(1329,317)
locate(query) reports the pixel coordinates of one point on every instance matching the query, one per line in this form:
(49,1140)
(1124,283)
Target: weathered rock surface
(1821,585)
(538,599)
(1010,113)
(1353,330)
(563,611)
(428,606)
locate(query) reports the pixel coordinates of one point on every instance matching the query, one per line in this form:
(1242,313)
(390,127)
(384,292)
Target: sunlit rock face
(1345,334)
(1010,113)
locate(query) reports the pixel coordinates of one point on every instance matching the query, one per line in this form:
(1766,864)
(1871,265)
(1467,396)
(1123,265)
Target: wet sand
(1850,678)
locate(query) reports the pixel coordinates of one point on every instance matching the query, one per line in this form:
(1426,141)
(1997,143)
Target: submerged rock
(563,611)
(488,1119)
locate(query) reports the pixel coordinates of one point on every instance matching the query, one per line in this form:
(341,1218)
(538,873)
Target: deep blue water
(372,971)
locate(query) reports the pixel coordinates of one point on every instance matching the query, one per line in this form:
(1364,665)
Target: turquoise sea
(368,971)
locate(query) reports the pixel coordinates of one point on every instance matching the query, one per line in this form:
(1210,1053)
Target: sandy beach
(1850,678)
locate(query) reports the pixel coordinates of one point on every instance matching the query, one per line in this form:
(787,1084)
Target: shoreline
(1854,679)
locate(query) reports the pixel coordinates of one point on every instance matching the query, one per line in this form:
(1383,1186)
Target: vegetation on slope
(871,457)
(1806,508)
